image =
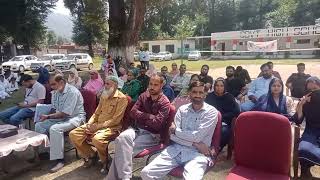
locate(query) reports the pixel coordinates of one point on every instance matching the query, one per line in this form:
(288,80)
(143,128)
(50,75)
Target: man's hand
(91,128)
(203,149)
(172,129)
(22,105)
(289,86)
(43,117)
(252,98)
(239,97)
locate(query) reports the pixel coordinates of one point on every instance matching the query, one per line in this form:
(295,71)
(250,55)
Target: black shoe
(58,166)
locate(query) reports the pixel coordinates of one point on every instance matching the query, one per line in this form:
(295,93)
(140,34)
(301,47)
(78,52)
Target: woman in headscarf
(167,89)
(226,105)
(152,70)
(308,110)
(74,78)
(95,83)
(109,65)
(132,87)
(275,101)
(44,75)
(174,71)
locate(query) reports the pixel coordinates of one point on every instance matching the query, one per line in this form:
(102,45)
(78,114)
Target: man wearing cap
(104,123)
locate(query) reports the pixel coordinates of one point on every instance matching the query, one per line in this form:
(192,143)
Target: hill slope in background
(61,24)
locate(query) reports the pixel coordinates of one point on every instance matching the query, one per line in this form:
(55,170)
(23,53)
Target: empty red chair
(215,144)
(262,147)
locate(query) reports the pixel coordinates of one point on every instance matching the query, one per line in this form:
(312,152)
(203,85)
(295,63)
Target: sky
(61,9)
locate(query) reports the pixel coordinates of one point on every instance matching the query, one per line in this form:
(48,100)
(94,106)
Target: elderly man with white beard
(104,123)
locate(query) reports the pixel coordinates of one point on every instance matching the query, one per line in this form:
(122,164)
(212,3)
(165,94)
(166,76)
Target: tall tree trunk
(124,27)
(91,53)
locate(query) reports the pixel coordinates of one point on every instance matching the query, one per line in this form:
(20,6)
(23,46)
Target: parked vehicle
(19,63)
(76,60)
(47,61)
(152,56)
(163,56)
(194,55)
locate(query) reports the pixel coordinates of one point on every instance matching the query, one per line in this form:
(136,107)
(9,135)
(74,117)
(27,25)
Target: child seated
(13,86)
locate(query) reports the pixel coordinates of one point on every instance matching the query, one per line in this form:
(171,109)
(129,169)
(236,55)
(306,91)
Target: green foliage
(23,21)
(226,15)
(90,21)
(185,28)
(51,38)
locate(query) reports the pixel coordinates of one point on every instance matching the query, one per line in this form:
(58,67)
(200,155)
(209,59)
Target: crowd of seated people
(197,97)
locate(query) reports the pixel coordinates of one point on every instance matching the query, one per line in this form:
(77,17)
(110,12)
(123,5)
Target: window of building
(241,43)
(156,48)
(303,41)
(187,46)
(170,48)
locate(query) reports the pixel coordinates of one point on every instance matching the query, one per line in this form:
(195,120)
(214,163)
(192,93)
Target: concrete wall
(163,43)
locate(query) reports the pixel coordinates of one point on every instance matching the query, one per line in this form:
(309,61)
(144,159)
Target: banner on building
(268,46)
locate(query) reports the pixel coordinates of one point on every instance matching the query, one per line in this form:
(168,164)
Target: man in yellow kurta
(104,123)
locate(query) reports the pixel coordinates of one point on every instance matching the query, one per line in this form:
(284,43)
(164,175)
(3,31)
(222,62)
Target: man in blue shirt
(258,87)
(191,134)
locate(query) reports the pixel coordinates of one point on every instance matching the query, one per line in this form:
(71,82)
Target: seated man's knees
(72,135)
(38,128)
(96,141)
(124,137)
(144,173)
(55,129)
(15,120)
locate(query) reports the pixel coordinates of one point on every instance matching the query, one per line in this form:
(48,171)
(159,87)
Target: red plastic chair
(262,147)
(89,102)
(157,149)
(215,144)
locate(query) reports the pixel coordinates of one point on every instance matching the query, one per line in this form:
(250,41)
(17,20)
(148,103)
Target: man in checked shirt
(191,134)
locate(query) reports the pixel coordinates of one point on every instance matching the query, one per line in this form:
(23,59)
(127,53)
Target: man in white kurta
(192,133)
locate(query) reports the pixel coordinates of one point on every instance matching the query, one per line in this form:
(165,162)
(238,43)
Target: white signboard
(267,33)
(269,46)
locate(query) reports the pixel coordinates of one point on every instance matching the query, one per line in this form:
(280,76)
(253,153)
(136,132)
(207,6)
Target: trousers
(309,148)
(127,145)
(164,163)
(99,140)
(15,115)
(55,129)
(247,106)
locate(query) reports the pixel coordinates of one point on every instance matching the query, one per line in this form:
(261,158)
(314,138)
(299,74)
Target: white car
(76,60)
(19,63)
(194,55)
(47,61)
(163,56)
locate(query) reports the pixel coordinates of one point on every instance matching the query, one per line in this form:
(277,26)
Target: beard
(229,75)
(197,101)
(107,93)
